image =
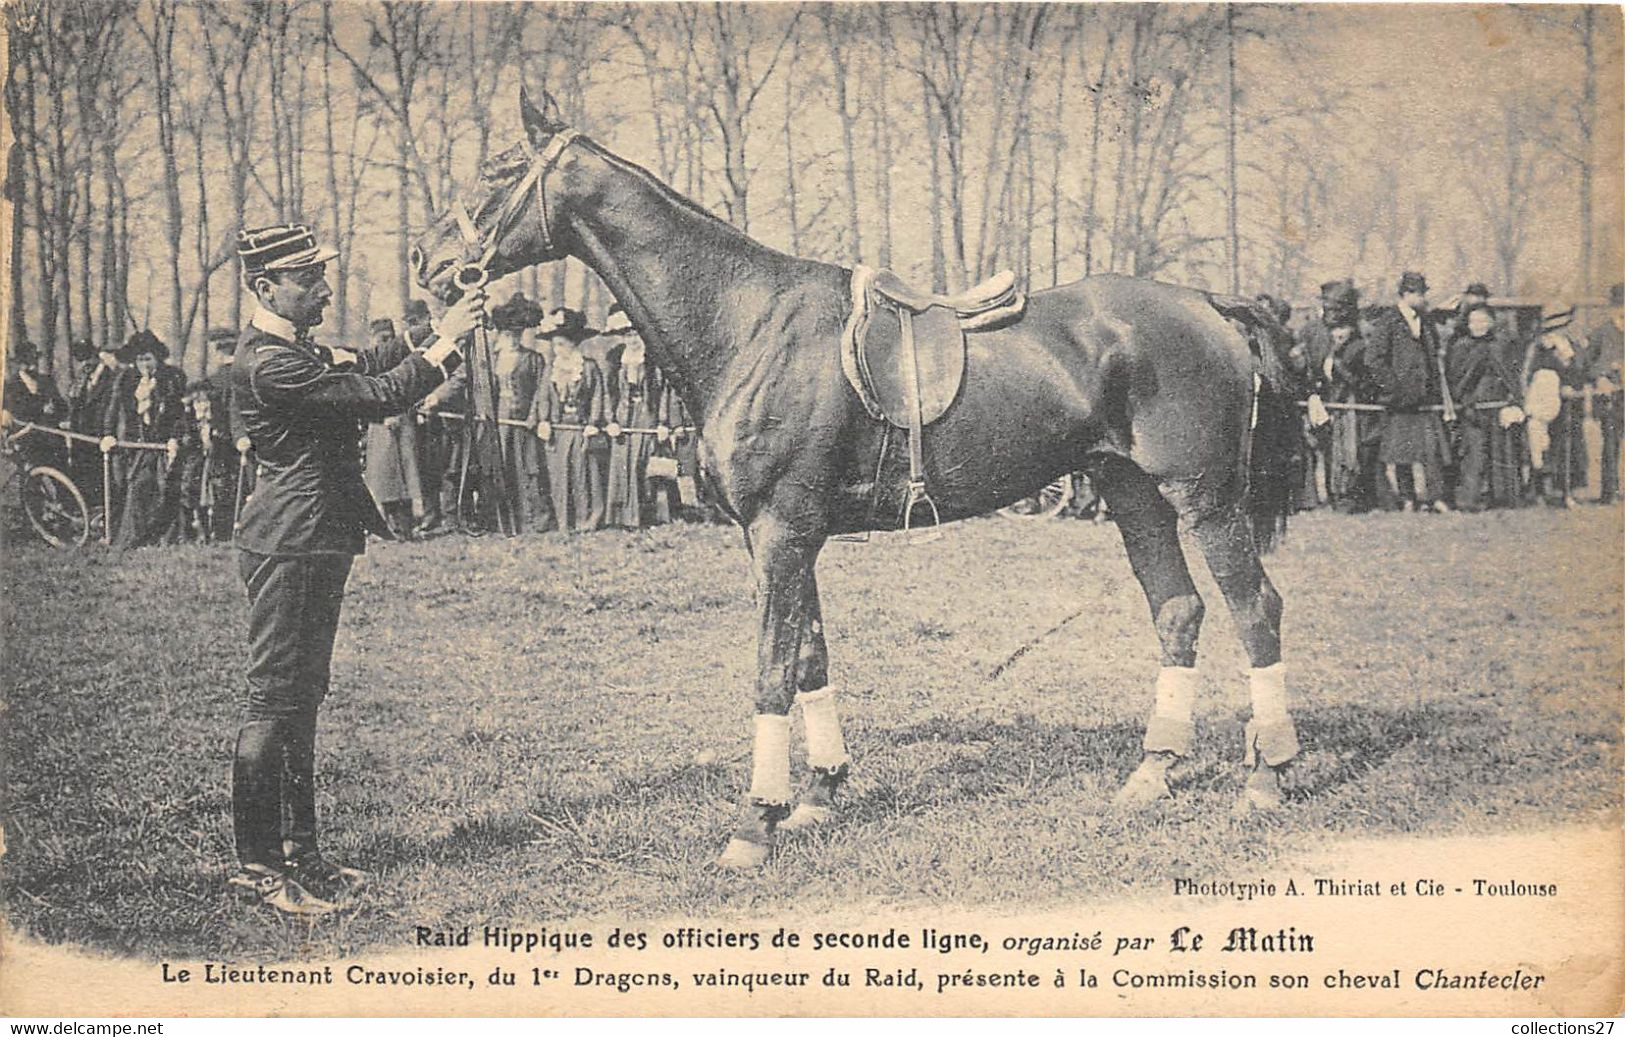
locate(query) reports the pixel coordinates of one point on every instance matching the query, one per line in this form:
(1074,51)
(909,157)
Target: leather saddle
(903,351)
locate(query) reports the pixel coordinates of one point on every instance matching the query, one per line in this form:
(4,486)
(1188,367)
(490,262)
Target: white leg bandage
(770,776)
(1270,734)
(1171,729)
(1269,693)
(825,746)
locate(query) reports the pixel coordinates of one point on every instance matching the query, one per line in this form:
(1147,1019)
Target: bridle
(473,274)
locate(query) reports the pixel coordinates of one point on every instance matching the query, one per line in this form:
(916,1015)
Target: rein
(474,273)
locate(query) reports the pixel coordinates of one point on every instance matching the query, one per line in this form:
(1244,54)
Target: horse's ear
(540,124)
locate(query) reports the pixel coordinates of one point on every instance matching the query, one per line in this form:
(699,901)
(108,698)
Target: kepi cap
(270,249)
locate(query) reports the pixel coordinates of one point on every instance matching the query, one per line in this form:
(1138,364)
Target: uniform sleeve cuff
(444,355)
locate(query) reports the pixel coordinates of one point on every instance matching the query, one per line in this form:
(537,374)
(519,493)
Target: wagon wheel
(55,507)
(1046,503)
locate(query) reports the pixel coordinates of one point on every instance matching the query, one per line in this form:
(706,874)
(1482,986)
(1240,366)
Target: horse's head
(510,224)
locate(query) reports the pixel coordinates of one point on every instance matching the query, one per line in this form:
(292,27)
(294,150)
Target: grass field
(542,729)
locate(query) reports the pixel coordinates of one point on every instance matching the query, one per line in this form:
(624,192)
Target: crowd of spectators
(557,426)
(1457,408)
(560,426)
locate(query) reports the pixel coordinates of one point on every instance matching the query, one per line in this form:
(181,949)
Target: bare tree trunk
(1096,103)
(16,190)
(16,181)
(42,220)
(403,236)
(939,258)
(205,273)
(83,222)
(1232,225)
(790,155)
(1058,137)
(161,47)
(1587,121)
(1027,187)
(838,37)
(880,133)
(341,289)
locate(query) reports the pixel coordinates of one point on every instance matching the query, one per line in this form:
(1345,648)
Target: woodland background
(1237,147)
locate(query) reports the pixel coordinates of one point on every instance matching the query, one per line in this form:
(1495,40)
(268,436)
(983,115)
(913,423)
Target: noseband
(473,274)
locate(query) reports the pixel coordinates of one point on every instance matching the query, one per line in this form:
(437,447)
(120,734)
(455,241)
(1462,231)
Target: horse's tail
(1274,445)
(1273,463)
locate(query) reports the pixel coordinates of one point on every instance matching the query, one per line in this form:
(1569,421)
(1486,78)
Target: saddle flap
(939,353)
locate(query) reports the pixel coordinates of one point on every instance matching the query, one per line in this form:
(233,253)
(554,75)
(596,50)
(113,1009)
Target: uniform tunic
(310,510)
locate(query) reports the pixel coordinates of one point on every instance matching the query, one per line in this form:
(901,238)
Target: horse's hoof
(743,855)
(1262,794)
(806,816)
(1146,787)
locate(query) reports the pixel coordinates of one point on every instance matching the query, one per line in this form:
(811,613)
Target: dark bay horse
(1144,385)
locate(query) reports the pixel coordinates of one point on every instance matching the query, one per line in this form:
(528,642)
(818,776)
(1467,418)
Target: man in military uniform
(301,404)
(1605,354)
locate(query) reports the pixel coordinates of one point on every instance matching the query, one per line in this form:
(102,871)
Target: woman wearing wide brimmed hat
(642,400)
(148,407)
(572,395)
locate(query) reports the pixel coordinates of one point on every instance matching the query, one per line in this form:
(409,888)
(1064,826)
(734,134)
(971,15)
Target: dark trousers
(1608,416)
(293,616)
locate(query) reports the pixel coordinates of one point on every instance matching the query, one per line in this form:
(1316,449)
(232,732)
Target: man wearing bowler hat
(301,405)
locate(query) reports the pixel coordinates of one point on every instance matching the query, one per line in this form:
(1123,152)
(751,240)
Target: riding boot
(256,792)
(299,825)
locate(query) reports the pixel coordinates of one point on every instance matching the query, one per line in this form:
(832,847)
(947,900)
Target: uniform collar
(274,324)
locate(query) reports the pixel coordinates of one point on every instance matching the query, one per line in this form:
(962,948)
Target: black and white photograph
(521,509)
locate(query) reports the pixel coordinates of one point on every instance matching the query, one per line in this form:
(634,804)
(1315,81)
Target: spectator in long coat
(208,467)
(517,369)
(90,405)
(392,474)
(1404,353)
(149,407)
(434,438)
(224,417)
(1605,356)
(31,395)
(1311,360)
(572,395)
(641,401)
(1345,379)
(1483,371)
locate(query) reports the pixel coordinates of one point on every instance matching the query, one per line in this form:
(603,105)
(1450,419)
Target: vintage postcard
(643,509)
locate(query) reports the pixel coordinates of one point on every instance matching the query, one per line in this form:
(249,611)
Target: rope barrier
(80,437)
(680,430)
(1377,408)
